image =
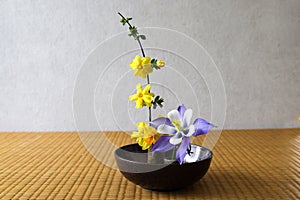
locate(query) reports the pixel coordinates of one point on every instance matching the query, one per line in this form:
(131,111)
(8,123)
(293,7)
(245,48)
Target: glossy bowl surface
(163,176)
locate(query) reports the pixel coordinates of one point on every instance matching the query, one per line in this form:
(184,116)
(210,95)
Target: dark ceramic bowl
(132,162)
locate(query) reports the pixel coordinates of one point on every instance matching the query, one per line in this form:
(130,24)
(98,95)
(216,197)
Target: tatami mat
(247,164)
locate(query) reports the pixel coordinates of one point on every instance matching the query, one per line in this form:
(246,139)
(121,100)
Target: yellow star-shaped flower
(142,97)
(141,66)
(145,136)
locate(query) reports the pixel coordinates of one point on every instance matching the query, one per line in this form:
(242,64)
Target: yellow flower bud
(160,63)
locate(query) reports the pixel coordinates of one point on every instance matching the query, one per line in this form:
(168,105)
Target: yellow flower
(145,136)
(141,66)
(160,63)
(142,97)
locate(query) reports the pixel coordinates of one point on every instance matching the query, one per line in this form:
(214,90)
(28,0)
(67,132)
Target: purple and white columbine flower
(178,124)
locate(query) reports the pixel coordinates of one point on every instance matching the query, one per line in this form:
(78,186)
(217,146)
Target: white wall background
(43,44)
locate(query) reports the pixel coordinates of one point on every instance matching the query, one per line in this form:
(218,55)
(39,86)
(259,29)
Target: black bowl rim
(162,164)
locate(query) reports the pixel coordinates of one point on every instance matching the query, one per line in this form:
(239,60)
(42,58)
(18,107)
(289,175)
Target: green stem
(148,82)
(138,39)
(141,47)
(173,153)
(143,53)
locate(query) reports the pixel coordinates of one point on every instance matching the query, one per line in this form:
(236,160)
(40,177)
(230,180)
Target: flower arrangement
(163,134)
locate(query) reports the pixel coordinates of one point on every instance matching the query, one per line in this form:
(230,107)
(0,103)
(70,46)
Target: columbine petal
(181,110)
(202,126)
(165,129)
(159,121)
(174,115)
(191,131)
(187,118)
(182,150)
(162,144)
(176,139)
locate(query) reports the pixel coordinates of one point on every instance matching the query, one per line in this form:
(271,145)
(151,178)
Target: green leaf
(157,102)
(133,32)
(154,106)
(123,21)
(153,63)
(143,37)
